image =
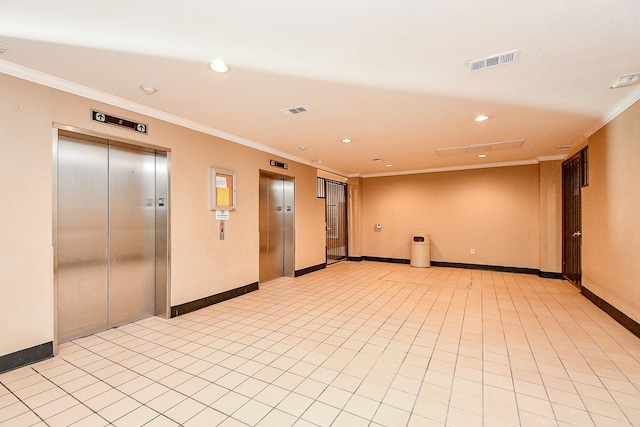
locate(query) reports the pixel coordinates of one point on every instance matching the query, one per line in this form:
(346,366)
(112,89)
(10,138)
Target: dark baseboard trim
(356,258)
(503,269)
(521,270)
(391,260)
(308,270)
(550,275)
(188,307)
(26,356)
(617,315)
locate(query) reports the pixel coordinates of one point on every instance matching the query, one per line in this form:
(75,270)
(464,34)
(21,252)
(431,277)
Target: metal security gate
(574,177)
(336,219)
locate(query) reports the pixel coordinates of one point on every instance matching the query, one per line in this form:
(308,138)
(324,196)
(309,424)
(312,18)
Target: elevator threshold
(98,333)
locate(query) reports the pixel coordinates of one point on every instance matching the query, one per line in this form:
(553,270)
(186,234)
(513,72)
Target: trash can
(420,250)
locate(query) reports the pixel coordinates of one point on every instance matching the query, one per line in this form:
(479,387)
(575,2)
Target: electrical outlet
(473,251)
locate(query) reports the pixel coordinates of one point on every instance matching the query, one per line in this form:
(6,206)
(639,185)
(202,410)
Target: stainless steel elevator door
(132,181)
(83,238)
(275,234)
(105,246)
(276,227)
(288,224)
(162,233)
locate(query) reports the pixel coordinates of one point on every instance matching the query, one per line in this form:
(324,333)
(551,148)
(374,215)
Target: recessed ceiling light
(219,66)
(482,156)
(149,90)
(388,165)
(346,140)
(481,118)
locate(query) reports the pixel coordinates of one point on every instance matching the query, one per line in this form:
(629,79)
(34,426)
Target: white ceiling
(392,76)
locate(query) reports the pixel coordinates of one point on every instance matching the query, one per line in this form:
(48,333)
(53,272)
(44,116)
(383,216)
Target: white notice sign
(221,182)
(222,215)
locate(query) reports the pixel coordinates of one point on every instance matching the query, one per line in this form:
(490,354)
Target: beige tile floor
(356,344)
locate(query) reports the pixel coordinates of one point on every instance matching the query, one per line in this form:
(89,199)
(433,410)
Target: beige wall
(494,211)
(550,248)
(25,218)
(354,223)
(610,207)
(202,265)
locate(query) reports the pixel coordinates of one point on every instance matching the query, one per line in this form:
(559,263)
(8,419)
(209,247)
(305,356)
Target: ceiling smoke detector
(493,61)
(626,80)
(149,90)
(294,110)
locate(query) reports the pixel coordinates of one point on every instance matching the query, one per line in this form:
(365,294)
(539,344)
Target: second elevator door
(106,236)
(276,227)
(131,235)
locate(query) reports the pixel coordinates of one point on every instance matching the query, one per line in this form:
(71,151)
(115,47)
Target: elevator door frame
(287,245)
(163,268)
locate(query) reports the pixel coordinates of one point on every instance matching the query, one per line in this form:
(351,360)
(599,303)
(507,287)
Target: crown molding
(618,109)
(44,79)
(453,168)
(53,82)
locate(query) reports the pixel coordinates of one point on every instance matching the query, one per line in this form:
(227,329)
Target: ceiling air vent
(626,80)
(294,110)
(481,148)
(493,61)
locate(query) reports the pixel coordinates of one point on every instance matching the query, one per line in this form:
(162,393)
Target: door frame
(575,175)
(90,134)
(289,239)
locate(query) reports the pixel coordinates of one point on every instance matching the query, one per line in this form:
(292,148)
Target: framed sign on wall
(222,189)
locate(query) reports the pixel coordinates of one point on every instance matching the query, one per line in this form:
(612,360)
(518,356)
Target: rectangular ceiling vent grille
(294,110)
(626,80)
(481,148)
(493,61)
